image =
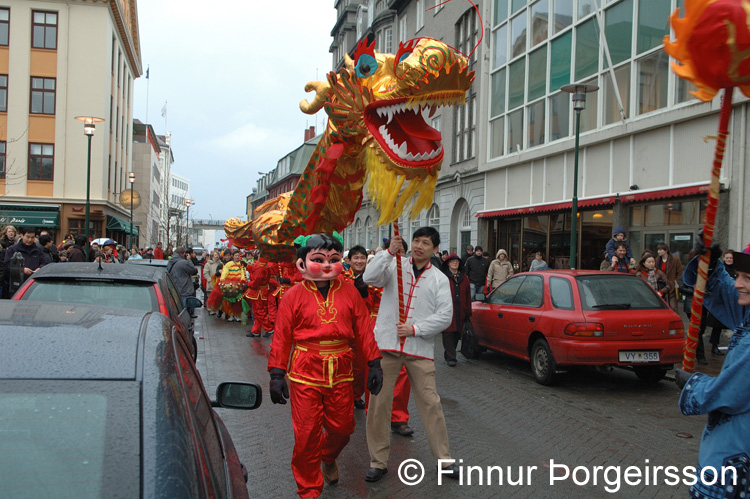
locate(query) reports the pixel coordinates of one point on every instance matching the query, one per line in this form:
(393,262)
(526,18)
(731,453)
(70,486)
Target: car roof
(148,261)
(53,340)
(577,273)
(116,271)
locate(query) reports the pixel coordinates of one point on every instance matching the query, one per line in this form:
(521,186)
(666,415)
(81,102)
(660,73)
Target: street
(497,416)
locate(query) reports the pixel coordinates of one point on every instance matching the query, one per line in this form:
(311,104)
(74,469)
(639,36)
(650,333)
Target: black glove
(278,387)
(681,377)
(700,247)
(374,377)
(359,283)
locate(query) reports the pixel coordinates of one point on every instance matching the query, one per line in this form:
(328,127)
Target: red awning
(549,207)
(634,197)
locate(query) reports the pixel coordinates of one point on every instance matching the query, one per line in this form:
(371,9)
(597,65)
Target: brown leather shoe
(330,473)
(402,429)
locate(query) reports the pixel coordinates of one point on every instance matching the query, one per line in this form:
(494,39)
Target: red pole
(688,361)
(400,281)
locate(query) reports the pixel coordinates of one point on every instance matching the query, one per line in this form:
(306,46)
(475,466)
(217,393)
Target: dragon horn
(322,91)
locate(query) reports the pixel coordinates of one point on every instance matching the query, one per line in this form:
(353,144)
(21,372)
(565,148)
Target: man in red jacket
(323,322)
(158,252)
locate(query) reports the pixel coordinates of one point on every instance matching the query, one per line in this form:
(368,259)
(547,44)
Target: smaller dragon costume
(232,284)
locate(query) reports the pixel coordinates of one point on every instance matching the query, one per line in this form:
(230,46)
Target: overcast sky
(232,73)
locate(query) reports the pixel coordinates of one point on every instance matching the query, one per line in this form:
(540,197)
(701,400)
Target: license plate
(636,356)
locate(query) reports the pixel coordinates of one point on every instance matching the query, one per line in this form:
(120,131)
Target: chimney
(309,133)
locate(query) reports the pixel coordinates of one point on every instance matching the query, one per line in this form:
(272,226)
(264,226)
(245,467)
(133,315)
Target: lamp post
(89,125)
(188,202)
(131,179)
(579,92)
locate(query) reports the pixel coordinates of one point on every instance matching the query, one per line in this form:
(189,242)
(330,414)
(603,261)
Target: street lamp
(89,125)
(579,92)
(188,202)
(131,179)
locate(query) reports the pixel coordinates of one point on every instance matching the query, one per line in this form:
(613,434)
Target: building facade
(645,149)
(179,194)
(149,183)
(61,59)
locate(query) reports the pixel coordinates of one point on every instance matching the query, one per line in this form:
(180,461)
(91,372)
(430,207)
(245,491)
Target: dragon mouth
(401,129)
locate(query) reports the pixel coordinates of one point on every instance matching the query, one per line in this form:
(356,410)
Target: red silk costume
(321,336)
(402,390)
(259,295)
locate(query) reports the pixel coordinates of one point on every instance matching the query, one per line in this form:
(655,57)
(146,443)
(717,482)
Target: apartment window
(518,34)
(2,159)
(44,30)
(402,33)
(562,15)
(3,93)
(559,116)
(653,74)
(611,106)
(388,42)
(41,161)
(4,26)
(433,216)
(42,95)
(420,14)
(587,49)
(653,23)
(619,30)
(539,22)
(465,117)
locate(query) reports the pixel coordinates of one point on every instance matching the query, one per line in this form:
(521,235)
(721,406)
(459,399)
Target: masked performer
(324,323)
(233,283)
(259,296)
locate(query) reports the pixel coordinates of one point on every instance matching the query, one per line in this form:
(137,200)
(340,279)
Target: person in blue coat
(725,444)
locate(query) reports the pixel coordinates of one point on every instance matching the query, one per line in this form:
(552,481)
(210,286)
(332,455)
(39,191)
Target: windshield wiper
(614,306)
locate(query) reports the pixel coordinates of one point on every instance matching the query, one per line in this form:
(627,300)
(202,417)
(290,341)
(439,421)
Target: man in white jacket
(429,310)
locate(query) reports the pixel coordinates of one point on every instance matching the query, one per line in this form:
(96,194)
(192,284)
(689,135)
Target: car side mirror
(238,395)
(193,302)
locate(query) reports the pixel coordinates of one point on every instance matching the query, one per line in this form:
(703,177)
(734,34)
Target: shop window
(560,57)
(559,116)
(619,30)
(44,30)
(653,23)
(500,55)
(515,131)
(636,216)
(596,231)
(536,124)
(41,161)
(501,11)
(534,237)
(653,75)
(497,137)
(497,104)
(516,84)
(559,241)
(611,106)
(587,49)
(562,14)
(537,73)
(539,22)
(4,26)
(518,35)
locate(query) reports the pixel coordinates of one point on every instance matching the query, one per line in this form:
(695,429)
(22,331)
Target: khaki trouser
(422,378)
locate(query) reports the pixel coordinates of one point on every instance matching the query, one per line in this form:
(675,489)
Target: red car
(559,318)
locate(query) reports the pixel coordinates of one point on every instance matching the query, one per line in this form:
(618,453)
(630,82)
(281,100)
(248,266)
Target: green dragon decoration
(376,105)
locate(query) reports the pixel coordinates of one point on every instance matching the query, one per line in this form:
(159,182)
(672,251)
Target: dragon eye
(366,66)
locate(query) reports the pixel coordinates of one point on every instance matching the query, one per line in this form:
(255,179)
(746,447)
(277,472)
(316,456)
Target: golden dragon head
(379,106)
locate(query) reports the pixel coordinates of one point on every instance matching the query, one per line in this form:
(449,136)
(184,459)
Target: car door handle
(500,314)
(532,318)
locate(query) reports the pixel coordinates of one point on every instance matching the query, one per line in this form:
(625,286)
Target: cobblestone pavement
(496,416)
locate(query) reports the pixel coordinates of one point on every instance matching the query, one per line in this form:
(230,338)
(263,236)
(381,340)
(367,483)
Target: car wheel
(469,347)
(542,363)
(650,374)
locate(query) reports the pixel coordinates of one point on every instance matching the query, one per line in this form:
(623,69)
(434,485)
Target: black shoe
(702,360)
(715,350)
(451,471)
(359,404)
(268,334)
(253,335)
(402,429)
(194,316)
(451,362)
(375,474)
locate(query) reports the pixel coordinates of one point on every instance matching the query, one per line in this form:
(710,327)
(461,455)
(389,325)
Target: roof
(116,271)
(52,340)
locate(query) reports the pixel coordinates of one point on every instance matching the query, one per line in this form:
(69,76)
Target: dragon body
(377,108)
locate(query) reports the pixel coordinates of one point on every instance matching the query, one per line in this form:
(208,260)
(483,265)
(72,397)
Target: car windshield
(123,294)
(612,292)
(69,438)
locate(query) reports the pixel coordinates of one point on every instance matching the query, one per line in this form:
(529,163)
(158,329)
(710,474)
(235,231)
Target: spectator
(93,250)
(672,268)
(158,252)
(619,262)
(538,263)
(445,255)
(45,243)
(33,257)
(52,249)
(169,252)
(149,254)
(67,239)
(611,249)
(646,270)
(109,255)
(410,343)
(461,293)
(500,270)
(75,253)
(9,236)
(63,256)
(134,255)
(182,271)
(476,269)
(469,253)
(212,272)
(436,259)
